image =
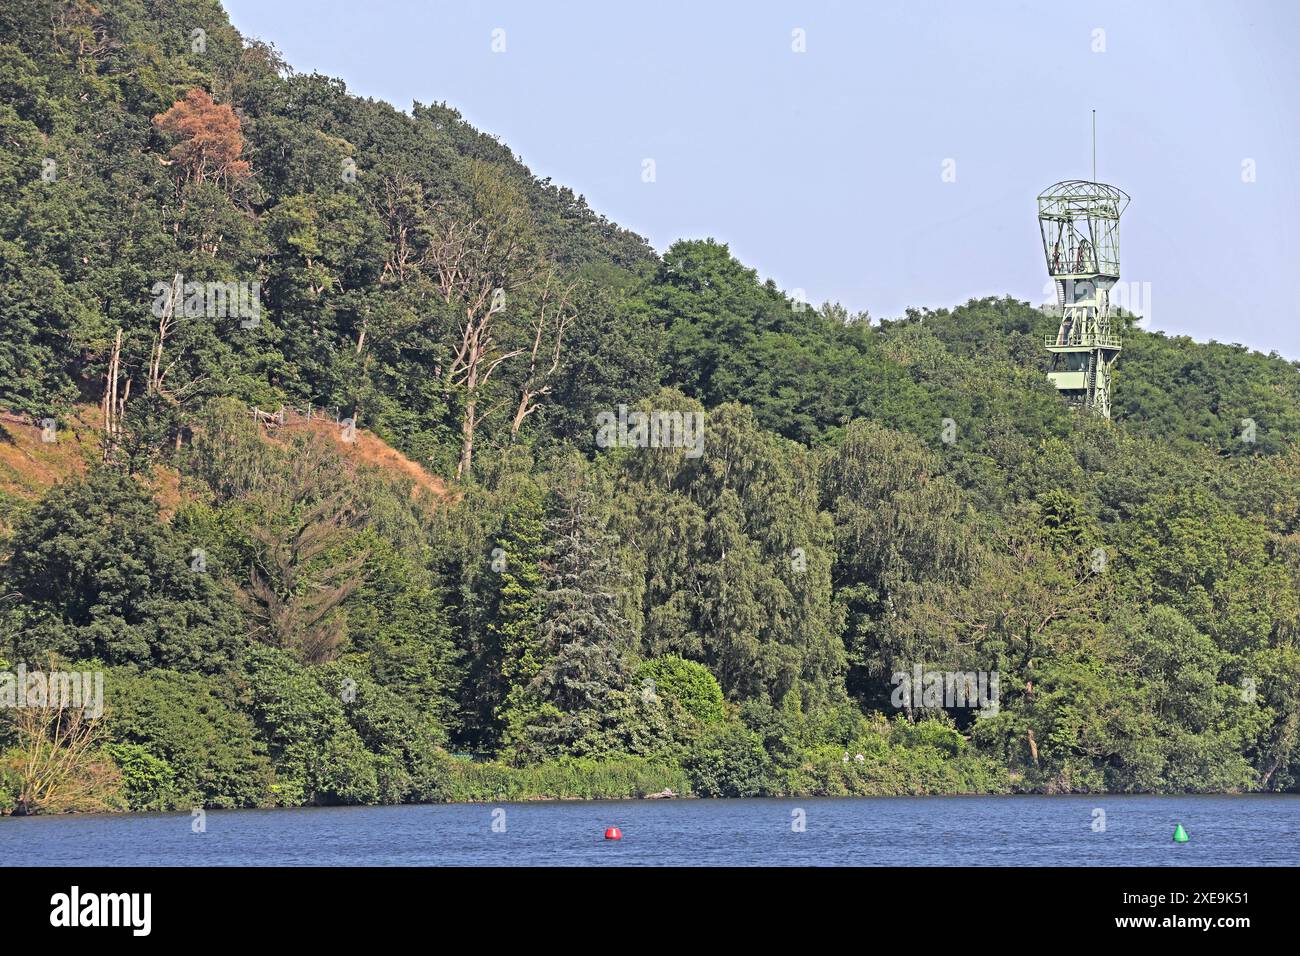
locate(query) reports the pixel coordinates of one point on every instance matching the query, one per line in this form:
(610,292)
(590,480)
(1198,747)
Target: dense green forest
(189,231)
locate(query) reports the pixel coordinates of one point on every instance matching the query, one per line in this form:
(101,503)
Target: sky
(880,154)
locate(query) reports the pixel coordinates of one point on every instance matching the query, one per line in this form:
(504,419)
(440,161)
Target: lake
(1254,830)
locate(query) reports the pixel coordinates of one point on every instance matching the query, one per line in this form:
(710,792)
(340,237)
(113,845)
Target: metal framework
(1079,223)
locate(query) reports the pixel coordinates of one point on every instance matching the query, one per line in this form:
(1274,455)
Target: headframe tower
(1079,222)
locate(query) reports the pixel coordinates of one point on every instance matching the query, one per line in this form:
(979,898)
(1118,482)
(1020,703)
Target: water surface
(1254,830)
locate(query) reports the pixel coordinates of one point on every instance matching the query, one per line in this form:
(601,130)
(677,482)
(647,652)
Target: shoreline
(693,798)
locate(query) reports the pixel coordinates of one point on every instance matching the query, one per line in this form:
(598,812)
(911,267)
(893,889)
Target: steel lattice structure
(1079,222)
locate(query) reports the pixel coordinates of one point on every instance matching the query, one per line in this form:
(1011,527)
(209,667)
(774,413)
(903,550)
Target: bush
(728,762)
(894,771)
(402,732)
(148,783)
(318,757)
(563,779)
(931,732)
(189,723)
(691,685)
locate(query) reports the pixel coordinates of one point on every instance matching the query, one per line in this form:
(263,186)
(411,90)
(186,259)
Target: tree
(733,555)
(1187,550)
(318,757)
(513,650)
(690,684)
(574,703)
(44,317)
(729,762)
(553,318)
(209,138)
(304,572)
(480,254)
(900,529)
(100,577)
(190,731)
(399,627)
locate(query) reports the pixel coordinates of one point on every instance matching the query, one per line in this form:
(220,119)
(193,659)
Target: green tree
(319,758)
(514,631)
(688,683)
(574,703)
(100,577)
(182,741)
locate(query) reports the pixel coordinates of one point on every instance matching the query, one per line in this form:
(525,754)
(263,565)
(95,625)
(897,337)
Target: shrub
(188,722)
(692,685)
(318,757)
(148,783)
(728,762)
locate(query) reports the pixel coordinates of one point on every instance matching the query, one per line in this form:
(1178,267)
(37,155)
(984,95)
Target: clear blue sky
(822,169)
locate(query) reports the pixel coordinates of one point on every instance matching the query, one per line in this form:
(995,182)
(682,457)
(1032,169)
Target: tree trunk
(467,439)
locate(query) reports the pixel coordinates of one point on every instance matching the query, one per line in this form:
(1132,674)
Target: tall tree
(481,253)
(574,703)
(305,569)
(209,138)
(514,633)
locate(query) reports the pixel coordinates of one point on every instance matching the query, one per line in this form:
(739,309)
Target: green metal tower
(1079,222)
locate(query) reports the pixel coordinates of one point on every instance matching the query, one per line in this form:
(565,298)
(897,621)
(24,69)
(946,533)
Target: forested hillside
(218,276)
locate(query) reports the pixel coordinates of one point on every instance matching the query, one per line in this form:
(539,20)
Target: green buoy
(1180,835)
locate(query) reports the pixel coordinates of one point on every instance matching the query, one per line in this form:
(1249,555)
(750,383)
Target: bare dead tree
(478,258)
(113,402)
(402,210)
(299,610)
(554,316)
(154,384)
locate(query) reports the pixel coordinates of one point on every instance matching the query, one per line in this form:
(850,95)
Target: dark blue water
(894,831)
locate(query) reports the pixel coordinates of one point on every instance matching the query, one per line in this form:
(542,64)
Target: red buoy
(613,833)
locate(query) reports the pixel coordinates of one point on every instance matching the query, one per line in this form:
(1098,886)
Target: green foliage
(399,627)
(148,782)
(99,577)
(183,741)
(691,685)
(299,625)
(740,521)
(728,761)
(510,654)
(402,732)
(578,701)
(318,756)
(567,778)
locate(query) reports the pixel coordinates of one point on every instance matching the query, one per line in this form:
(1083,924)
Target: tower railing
(1063,265)
(1083,340)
